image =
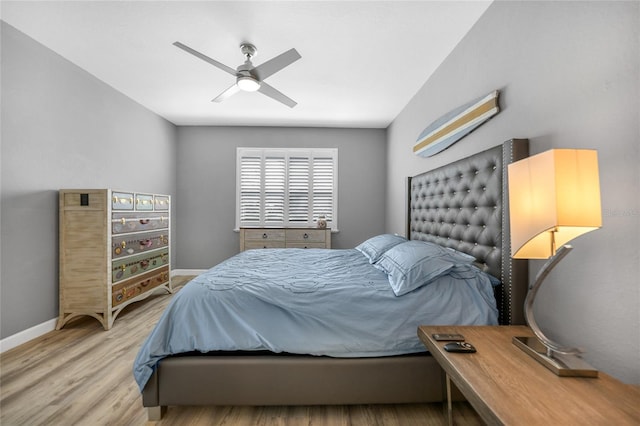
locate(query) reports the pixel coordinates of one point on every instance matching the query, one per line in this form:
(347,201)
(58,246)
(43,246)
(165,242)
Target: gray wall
(206,168)
(569,78)
(62,128)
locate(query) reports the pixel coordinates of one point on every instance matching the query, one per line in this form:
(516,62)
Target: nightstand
(506,386)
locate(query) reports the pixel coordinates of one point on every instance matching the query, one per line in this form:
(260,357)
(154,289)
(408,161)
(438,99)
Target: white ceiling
(362,61)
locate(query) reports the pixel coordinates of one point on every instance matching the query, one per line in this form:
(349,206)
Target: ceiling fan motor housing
(245,79)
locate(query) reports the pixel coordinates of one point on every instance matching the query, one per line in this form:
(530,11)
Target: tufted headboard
(464,205)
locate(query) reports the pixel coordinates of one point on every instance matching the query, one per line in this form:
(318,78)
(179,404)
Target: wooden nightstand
(507,386)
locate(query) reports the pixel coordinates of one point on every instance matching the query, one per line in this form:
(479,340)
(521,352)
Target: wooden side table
(508,387)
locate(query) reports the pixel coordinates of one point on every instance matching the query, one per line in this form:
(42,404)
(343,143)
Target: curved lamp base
(565,365)
(562,360)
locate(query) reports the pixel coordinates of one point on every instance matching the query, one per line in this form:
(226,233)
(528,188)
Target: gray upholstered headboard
(464,205)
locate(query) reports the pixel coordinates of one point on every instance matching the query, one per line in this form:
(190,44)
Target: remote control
(448,337)
(459,347)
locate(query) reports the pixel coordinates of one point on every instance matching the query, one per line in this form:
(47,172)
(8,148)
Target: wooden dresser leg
(155,413)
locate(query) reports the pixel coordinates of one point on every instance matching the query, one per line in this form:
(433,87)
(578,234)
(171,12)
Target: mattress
(310,301)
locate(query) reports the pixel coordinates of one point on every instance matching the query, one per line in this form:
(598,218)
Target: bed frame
(462,205)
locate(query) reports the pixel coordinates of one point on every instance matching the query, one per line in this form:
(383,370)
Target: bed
(458,211)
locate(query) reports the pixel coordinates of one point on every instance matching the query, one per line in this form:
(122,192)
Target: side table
(508,387)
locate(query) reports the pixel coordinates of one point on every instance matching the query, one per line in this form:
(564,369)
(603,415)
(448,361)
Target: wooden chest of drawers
(114,250)
(258,238)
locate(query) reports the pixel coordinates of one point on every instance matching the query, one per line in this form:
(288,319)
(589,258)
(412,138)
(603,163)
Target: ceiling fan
(248,77)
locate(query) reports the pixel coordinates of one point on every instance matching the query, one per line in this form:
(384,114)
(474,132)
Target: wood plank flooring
(82,375)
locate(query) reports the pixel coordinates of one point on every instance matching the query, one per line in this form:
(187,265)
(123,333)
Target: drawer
(264,234)
(306,235)
(138,264)
(144,202)
(129,244)
(136,222)
(129,289)
(306,245)
(161,202)
(122,201)
(248,245)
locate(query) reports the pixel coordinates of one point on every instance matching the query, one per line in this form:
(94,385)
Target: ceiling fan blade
(274,65)
(275,94)
(205,58)
(227,93)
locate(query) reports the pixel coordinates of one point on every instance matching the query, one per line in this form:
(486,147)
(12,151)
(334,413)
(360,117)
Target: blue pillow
(375,247)
(412,264)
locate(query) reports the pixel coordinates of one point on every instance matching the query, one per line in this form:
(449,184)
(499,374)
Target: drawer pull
(305,236)
(264,235)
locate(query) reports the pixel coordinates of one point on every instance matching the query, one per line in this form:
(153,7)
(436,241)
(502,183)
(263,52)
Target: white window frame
(287,154)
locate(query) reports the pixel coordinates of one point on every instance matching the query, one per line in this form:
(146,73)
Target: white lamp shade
(553,198)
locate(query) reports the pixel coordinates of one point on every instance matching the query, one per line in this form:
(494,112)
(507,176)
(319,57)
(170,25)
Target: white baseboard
(26,335)
(47,326)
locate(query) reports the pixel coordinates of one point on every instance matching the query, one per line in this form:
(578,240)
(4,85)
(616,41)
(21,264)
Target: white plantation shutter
(286,187)
(250,189)
(323,194)
(298,191)
(274,186)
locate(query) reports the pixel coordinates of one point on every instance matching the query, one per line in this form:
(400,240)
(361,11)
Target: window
(286,187)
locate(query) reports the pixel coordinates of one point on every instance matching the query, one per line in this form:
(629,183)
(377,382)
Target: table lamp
(553,198)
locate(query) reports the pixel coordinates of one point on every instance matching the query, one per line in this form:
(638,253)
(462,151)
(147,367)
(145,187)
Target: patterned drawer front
(144,202)
(305,236)
(264,234)
(306,245)
(135,222)
(132,244)
(161,202)
(122,201)
(248,245)
(131,288)
(135,265)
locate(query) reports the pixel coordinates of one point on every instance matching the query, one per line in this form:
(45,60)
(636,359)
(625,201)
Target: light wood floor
(82,375)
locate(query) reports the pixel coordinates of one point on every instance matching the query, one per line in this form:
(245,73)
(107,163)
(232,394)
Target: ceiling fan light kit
(248,84)
(250,78)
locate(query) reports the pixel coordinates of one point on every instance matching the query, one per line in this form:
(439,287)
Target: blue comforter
(315,301)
